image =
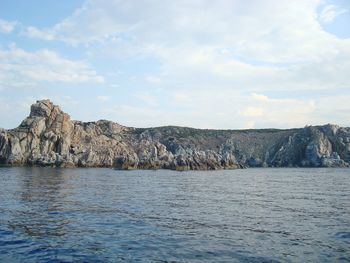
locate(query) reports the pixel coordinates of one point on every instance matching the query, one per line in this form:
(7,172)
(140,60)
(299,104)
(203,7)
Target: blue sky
(226,64)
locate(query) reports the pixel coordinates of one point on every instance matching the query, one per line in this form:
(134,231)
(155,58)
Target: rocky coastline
(48,137)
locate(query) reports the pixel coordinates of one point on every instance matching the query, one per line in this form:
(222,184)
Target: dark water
(103,215)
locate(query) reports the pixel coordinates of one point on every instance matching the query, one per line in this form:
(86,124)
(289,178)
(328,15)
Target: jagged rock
(48,137)
(126,162)
(318,149)
(4,147)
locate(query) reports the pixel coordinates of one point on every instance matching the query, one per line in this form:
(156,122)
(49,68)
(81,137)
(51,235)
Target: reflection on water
(102,215)
(41,196)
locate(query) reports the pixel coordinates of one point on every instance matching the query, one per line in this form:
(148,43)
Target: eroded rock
(48,137)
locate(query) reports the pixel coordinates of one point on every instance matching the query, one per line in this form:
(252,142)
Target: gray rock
(48,137)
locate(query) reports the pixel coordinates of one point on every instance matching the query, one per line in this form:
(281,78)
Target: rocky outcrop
(48,137)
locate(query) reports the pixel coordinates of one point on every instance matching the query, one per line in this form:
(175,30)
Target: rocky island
(48,137)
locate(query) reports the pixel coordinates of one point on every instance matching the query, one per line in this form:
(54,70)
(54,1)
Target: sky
(225,64)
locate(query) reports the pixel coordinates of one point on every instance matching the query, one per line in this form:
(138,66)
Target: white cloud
(19,68)
(252,112)
(194,34)
(199,111)
(259,97)
(216,110)
(7,26)
(37,33)
(248,125)
(249,29)
(330,12)
(213,54)
(284,112)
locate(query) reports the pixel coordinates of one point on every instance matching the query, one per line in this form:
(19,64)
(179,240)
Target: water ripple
(103,215)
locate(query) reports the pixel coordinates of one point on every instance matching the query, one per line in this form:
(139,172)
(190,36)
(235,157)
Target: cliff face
(48,137)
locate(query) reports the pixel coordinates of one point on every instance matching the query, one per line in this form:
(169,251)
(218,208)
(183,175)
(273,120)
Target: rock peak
(48,137)
(42,108)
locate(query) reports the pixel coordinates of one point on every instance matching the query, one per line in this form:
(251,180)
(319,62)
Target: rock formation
(48,137)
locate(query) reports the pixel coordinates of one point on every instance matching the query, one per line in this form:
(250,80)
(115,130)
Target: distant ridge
(48,137)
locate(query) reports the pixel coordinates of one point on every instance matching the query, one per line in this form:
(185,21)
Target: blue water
(103,215)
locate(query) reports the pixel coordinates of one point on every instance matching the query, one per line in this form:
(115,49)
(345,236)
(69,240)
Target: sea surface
(104,215)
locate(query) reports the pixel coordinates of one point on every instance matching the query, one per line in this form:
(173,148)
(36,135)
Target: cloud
(232,36)
(260,45)
(153,26)
(330,12)
(282,112)
(252,112)
(215,110)
(37,33)
(19,68)
(7,26)
(207,57)
(260,97)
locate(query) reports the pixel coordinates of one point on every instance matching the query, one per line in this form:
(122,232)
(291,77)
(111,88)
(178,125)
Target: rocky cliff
(48,137)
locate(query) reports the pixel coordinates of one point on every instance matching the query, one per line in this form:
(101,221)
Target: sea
(106,215)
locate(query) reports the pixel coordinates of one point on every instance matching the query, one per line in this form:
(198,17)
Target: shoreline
(48,137)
